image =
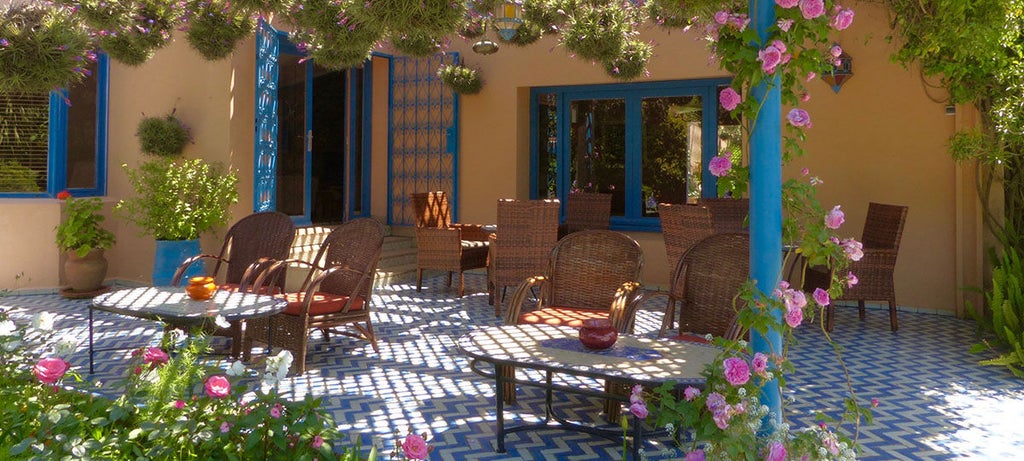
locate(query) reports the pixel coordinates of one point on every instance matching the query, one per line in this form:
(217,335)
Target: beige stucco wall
(28,251)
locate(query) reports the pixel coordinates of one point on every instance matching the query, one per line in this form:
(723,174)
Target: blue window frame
(55,142)
(644,143)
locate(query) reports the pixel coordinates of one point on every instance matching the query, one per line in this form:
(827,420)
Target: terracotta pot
(85,274)
(200,288)
(598,334)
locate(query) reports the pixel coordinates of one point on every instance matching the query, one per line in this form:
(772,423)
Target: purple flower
(769,57)
(821,297)
(851,280)
(835,51)
(637,394)
(317,442)
(729,98)
(842,19)
(811,9)
(720,166)
(854,250)
(721,17)
(799,117)
(4,42)
(690,393)
(759,363)
(787,3)
(794,317)
(275,411)
(639,409)
(695,455)
(225,427)
(715,400)
(835,218)
(776,452)
(722,416)
(737,372)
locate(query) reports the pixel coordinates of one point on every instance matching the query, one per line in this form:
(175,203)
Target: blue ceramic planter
(169,255)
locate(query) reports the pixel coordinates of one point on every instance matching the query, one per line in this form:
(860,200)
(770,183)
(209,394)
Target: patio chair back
(728,214)
(883,231)
(883,227)
(527,230)
(431,209)
(681,227)
(587,210)
(355,246)
(706,281)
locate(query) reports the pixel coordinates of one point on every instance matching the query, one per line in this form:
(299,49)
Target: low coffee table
(173,306)
(557,349)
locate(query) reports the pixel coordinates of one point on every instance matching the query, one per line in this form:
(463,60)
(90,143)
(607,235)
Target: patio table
(557,349)
(172,305)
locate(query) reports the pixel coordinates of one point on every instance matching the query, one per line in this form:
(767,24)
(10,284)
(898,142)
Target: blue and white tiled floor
(936,402)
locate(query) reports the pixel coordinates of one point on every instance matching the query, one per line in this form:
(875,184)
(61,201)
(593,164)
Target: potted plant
(460,79)
(174,202)
(83,240)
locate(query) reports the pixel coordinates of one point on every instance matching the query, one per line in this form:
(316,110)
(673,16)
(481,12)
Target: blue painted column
(766,198)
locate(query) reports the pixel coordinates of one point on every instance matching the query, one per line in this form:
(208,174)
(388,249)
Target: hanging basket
(632,62)
(214,30)
(165,135)
(668,14)
(526,33)
(43,48)
(418,45)
(460,79)
(597,33)
(548,15)
(140,30)
(435,18)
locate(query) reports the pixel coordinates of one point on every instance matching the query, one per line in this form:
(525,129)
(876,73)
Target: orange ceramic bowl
(200,288)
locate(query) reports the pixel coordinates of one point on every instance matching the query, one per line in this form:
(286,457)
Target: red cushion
(233,287)
(567,316)
(323,303)
(693,338)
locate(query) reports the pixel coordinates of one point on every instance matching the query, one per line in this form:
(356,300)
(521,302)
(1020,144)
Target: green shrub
(1004,319)
(15,177)
(81,232)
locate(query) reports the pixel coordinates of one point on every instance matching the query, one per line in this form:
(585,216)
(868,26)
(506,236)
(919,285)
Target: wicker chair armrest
(264,270)
(624,306)
(277,265)
(473,232)
(515,304)
(188,263)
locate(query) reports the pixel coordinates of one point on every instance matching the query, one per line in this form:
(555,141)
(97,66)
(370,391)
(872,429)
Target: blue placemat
(617,350)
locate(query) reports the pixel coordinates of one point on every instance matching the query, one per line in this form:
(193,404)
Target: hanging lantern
(507,18)
(839,74)
(485,47)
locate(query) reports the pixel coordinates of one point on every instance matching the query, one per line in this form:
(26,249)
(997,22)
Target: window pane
(291,135)
(597,141)
(547,142)
(672,151)
(24,138)
(358,74)
(82,133)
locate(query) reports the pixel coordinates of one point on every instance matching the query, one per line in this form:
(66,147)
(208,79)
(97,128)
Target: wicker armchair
(728,214)
(250,244)
(590,274)
(883,231)
(705,282)
(442,245)
(527,230)
(334,294)
(681,226)
(586,210)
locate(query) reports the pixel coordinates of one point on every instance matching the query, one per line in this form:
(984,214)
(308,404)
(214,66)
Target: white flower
(742,391)
(65,346)
(8,328)
(236,369)
(709,337)
(43,321)
(176,335)
(742,343)
(277,370)
(220,321)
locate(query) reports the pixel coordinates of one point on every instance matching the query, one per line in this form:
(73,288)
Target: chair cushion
(323,303)
(233,287)
(691,337)
(567,316)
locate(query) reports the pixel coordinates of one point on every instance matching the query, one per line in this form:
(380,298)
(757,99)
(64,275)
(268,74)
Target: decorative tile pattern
(936,402)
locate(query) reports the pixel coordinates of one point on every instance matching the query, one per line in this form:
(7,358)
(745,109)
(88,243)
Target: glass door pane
(291,135)
(547,145)
(597,148)
(672,151)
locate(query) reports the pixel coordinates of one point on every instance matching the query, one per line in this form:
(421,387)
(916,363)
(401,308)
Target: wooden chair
(336,292)
(254,241)
(442,245)
(526,232)
(705,282)
(681,227)
(586,210)
(883,231)
(590,274)
(728,214)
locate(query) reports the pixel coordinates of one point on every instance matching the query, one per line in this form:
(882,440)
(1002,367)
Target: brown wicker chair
(705,282)
(334,294)
(883,231)
(526,232)
(728,214)
(252,242)
(681,226)
(586,210)
(442,245)
(590,274)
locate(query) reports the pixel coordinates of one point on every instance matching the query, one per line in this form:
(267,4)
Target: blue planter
(169,255)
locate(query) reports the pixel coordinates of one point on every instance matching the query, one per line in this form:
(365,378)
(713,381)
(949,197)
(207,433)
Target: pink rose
(690,393)
(415,447)
(821,297)
(729,98)
(778,45)
(851,280)
(811,9)
(787,3)
(805,171)
(721,17)
(842,19)
(785,24)
(737,372)
(854,250)
(722,416)
(695,455)
(811,76)
(50,370)
(179,404)
(218,386)
(155,356)
(769,57)
(317,442)
(715,401)
(637,394)
(835,218)
(759,363)
(639,409)
(835,51)
(799,117)
(776,452)
(794,317)
(720,166)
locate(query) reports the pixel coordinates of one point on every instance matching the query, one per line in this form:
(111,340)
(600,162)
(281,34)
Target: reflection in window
(547,142)
(597,140)
(671,155)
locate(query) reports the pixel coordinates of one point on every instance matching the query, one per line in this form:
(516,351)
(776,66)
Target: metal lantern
(485,47)
(838,75)
(507,18)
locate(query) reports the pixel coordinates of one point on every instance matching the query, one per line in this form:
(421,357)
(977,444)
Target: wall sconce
(839,74)
(485,47)
(507,18)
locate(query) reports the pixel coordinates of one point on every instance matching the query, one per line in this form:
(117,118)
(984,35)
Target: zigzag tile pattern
(936,402)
